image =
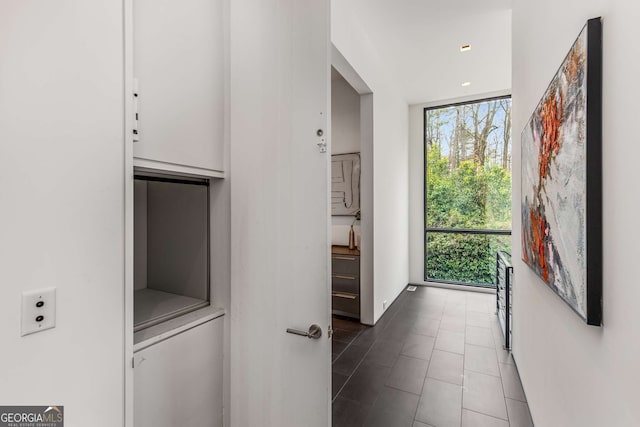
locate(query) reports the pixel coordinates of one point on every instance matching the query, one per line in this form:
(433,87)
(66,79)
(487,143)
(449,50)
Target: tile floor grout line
(415,358)
(362,359)
(360,363)
(404,391)
(354,370)
(406,324)
(486,415)
(483,373)
(464,358)
(426,375)
(504,393)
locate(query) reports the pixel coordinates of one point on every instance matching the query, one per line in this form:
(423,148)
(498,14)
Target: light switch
(38,311)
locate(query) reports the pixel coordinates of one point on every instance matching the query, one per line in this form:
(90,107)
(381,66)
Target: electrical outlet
(38,311)
(384,305)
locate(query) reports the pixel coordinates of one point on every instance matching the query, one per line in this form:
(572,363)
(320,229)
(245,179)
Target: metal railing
(504,283)
(468,231)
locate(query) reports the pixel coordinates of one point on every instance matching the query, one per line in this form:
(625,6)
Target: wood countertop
(344,250)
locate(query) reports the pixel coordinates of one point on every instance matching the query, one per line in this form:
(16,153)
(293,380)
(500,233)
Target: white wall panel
(62,198)
(574,374)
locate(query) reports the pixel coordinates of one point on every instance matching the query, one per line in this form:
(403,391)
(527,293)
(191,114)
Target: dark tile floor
(434,359)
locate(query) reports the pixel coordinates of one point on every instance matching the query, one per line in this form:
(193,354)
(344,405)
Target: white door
(280,213)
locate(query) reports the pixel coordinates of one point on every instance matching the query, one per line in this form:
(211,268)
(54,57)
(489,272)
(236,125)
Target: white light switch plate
(38,311)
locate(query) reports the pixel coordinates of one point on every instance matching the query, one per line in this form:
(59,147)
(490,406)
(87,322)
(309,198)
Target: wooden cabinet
(178,69)
(345,281)
(178,381)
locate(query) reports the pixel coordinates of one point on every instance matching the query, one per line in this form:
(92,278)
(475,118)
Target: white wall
(574,374)
(367,241)
(345,117)
(416,181)
(220,227)
(390,154)
(62,196)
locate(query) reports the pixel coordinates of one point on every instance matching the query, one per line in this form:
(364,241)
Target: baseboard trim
(454,287)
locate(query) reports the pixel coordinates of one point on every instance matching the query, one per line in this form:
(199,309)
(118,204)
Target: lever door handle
(314,332)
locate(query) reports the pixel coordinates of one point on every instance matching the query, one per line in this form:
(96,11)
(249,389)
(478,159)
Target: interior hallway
(434,359)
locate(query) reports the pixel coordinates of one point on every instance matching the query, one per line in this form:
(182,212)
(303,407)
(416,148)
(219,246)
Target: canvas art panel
(560,204)
(345,184)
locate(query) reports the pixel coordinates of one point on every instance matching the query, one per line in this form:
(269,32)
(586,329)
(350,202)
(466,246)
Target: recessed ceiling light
(465,47)
(466,84)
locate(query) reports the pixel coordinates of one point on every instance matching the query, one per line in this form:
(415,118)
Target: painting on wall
(345,184)
(561,198)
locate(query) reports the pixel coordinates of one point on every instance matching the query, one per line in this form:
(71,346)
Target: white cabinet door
(178,382)
(179,66)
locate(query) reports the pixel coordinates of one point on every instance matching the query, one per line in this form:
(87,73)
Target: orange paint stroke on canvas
(525,255)
(538,227)
(575,62)
(551,116)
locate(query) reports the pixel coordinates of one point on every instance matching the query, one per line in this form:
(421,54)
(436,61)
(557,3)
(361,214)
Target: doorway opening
(351,192)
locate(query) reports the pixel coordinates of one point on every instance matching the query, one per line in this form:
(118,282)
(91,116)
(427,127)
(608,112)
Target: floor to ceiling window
(467,190)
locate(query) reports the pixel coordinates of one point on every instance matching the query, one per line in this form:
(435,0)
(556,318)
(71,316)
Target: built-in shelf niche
(171,247)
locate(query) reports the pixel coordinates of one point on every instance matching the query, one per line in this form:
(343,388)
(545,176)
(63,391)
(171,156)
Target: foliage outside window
(467,190)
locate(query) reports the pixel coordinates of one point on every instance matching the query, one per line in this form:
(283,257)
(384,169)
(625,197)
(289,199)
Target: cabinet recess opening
(171,247)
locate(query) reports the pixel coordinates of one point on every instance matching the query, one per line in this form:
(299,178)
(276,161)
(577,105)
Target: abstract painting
(561,197)
(345,184)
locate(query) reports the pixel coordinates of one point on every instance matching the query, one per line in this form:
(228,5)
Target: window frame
(424,195)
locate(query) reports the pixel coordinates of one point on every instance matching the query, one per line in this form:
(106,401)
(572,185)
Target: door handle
(315,332)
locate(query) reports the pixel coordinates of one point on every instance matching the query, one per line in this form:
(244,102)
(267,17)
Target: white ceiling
(419,41)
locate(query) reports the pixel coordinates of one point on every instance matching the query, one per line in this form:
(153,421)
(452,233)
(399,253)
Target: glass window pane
(466,258)
(468,158)
(467,186)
